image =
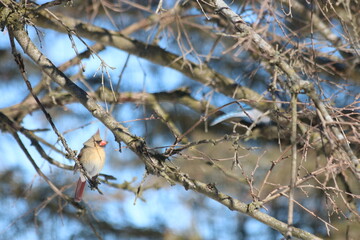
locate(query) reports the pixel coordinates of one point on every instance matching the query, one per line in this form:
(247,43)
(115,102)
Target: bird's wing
(227,116)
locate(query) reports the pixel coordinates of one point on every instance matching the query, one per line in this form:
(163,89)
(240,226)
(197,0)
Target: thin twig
(293,164)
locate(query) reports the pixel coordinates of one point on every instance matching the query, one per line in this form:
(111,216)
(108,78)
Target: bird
(92,159)
(246,113)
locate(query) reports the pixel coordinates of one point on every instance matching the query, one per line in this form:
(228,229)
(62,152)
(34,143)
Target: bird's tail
(79,190)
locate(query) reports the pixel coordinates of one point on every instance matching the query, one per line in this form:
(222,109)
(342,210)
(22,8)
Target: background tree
(152,75)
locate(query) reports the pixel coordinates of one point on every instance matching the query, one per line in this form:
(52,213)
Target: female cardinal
(92,158)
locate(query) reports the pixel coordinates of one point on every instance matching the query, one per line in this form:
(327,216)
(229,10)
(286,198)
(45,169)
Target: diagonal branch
(153,160)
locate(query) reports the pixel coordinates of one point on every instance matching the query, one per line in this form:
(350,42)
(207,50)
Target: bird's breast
(93,160)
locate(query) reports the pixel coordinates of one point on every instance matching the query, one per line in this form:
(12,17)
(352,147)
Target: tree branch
(153,160)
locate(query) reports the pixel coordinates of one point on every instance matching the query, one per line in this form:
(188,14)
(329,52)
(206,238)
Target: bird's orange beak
(103,143)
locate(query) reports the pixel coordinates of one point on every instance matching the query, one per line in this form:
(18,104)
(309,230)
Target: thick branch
(153,160)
